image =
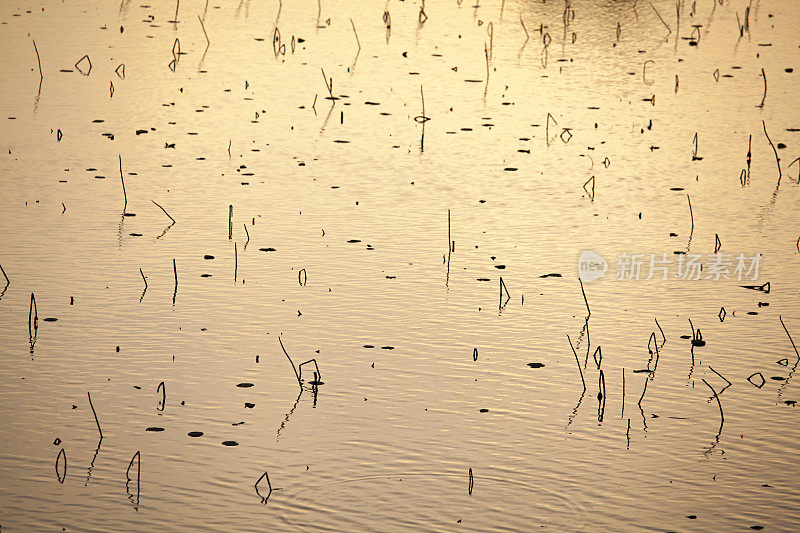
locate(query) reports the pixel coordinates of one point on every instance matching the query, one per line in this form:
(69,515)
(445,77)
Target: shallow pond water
(401,192)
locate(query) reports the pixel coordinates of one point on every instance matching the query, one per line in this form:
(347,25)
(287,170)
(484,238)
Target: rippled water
(375,210)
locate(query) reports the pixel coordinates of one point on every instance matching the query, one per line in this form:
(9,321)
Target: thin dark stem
(39,61)
(356,34)
(164,210)
(578,362)
(96,421)
(721,415)
(777,159)
(204,31)
(584,299)
(763,75)
(660,18)
(122,179)
(292,362)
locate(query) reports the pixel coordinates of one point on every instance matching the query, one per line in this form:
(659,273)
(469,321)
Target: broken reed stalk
(601,396)
(777,159)
(628,431)
(33,317)
(299,382)
(125,194)
(230,222)
(8,281)
(248,236)
(502,290)
(264,499)
(96,421)
(763,75)
(317,374)
(161,387)
(143,279)
(328,84)
(788,335)
(175,273)
(164,210)
(721,414)
(622,414)
(723,378)
(525,30)
(128,471)
(39,62)
(450,243)
(660,18)
(577,362)
(356,34)
(204,31)
(584,299)
(663,337)
(644,390)
(61,453)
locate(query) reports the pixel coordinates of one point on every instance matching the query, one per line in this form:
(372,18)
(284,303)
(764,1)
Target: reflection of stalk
(577,362)
(138,458)
(264,499)
(61,477)
(601,397)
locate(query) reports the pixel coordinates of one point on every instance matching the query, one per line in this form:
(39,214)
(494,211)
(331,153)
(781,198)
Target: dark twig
(584,299)
(660,18)
(125,194)
(161,387)
(299,381)
(777,159)
(39,62)
(164,210)
(763,75)
(145,284)
(264,476)
(723,377)
(794,368)
(356,34)
(204,31)
(96,421)
(578,362)
(61,454)
(138,458)
(721,415)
